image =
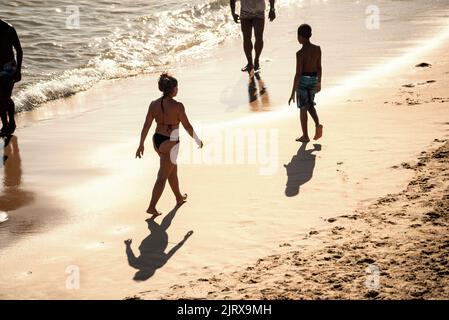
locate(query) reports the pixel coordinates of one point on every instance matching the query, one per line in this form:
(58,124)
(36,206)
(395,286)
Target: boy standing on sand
(307,82)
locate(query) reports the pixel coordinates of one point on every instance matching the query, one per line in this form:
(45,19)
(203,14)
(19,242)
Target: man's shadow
(300,169)
(13,196)
(152,249)
(258,96)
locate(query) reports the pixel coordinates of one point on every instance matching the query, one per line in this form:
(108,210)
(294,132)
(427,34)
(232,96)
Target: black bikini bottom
(158,139)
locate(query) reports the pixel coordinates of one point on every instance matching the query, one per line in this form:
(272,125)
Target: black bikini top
(163,115)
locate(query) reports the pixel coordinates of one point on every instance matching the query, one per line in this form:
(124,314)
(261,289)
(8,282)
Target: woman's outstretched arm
(186,124)
(143,135)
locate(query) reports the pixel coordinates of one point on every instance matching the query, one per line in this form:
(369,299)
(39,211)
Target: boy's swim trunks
(305,93)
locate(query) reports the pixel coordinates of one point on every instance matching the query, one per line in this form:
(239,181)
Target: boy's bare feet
(154,212)
(182,200)
(303,139)
(318,133)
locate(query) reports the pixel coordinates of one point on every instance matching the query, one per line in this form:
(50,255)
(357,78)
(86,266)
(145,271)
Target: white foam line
(3,216)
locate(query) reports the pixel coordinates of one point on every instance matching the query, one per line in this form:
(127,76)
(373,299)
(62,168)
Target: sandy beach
(386,247)
(272,220)
(391,249)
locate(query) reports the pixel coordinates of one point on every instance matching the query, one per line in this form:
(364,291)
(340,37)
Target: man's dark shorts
(251,16)
(7,74)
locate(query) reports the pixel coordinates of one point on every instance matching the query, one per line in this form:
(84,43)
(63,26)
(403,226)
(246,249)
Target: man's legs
(3,114)
(259,25)
(247,30)
(11,110)
(7,108)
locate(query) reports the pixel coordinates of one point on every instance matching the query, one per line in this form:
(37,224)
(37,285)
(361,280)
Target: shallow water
(116,39)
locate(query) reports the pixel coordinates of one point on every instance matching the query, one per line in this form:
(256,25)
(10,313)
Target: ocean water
(70,45)
(114,39)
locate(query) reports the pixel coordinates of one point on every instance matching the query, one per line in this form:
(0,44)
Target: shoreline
(65,106)
(291,11)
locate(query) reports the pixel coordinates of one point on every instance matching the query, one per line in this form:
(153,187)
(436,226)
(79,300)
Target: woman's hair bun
(167,83)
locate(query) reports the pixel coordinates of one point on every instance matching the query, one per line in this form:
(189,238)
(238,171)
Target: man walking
(252,16)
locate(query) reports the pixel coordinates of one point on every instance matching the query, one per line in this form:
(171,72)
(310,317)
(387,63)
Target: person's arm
(272,14)
(179,245)
(19,52)
(319,70)
(298,74)
(143,135)
(234,15)
(132,259)
(232,4)
(187,126)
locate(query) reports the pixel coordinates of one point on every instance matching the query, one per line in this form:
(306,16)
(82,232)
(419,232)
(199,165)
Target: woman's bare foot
(318,133)
(182,200)
(303,139)
(154,212)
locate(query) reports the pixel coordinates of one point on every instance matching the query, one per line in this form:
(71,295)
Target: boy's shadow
(152,249)
(300,169)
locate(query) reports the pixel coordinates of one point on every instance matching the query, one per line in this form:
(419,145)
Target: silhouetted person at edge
(10,72)
(252,16)
(300,169)
(152,249)
(168,113)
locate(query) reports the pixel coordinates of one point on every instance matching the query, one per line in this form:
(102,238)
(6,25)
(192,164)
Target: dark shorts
(252,15)
(305,93)
(249,22)
(6,86)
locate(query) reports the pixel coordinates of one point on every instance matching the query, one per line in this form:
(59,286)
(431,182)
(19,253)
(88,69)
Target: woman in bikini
(168,113)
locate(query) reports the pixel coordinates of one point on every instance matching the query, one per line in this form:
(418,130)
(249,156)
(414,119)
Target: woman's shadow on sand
(152,249)
(300,169)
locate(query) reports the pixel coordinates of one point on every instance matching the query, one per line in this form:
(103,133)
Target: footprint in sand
(120,230)
(441,100)
(283,245)
(423,65)
(97,245)
(344,177)
(25,274)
